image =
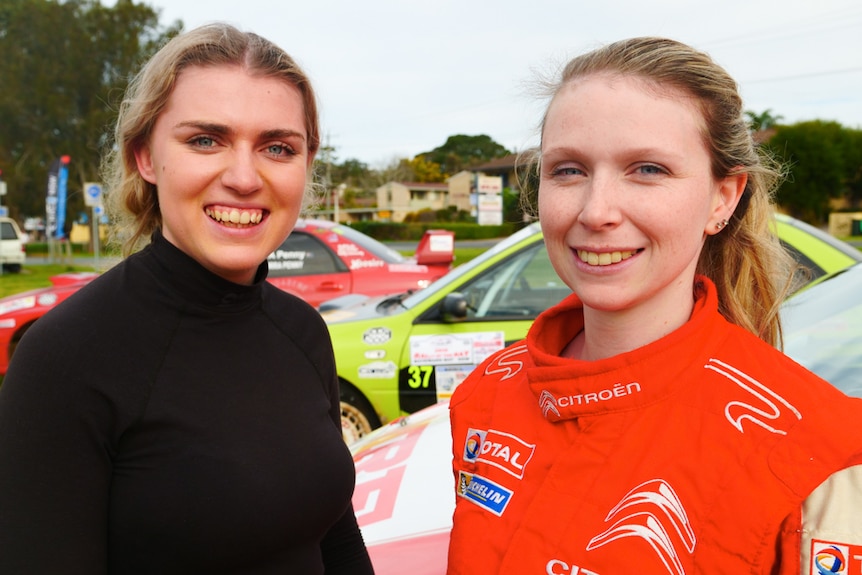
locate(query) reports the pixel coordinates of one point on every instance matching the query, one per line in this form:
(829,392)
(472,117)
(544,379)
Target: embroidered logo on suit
(765,407)
(651,511)
(506,364)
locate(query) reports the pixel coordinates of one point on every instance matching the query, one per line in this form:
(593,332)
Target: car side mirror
(453,308)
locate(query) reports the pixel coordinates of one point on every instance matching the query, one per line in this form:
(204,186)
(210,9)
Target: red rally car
(319,261)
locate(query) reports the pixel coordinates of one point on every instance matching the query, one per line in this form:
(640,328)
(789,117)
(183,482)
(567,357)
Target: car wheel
(357,416)
(12,268)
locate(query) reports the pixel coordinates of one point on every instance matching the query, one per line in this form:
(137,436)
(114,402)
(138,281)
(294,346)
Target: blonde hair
(131,201)
(746,261)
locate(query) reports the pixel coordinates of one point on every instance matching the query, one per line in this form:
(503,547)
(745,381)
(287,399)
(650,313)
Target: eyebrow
(222,129)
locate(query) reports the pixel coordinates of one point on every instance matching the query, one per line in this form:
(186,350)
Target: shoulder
(301,324)
(293,315)
(504,367)
(813,424)
(91,304)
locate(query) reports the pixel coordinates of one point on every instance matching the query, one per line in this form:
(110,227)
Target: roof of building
(503,164)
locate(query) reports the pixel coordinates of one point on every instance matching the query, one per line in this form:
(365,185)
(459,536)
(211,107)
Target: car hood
(405,495)
(356,307)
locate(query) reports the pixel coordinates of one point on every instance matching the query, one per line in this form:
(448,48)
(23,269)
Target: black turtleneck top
(166,421)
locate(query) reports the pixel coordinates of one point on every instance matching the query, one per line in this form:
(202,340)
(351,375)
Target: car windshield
(371,245)
(456,274)
(823,329)
(7,231)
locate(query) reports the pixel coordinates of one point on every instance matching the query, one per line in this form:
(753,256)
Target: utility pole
(327,178)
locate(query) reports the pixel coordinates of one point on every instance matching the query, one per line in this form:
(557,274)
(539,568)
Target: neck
(610,333)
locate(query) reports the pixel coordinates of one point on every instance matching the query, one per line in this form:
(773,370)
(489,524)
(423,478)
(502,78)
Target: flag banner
(55,200)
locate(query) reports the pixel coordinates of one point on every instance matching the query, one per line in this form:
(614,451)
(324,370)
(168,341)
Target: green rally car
(400,353)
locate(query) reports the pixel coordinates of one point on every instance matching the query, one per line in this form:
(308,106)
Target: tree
(853,181)
(461,152)
(64,68)
(821,165)
(763,120)
(425,171)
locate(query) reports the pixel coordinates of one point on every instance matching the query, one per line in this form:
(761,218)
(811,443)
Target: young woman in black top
(180,414)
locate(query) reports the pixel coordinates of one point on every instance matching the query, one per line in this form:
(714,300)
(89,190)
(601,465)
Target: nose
(242,173)
(600,207)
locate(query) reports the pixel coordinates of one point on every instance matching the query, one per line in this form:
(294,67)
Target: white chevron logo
(656,508)
(548,403)
(506,365)
(771,405)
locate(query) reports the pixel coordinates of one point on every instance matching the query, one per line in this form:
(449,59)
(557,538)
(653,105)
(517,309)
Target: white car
(12,254)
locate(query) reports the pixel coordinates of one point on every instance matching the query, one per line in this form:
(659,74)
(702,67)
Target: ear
(144,159)
(728,192)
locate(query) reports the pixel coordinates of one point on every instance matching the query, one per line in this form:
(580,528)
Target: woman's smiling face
(626,194)
(229,157)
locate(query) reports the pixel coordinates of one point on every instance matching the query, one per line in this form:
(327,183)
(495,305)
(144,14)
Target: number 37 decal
(419,376)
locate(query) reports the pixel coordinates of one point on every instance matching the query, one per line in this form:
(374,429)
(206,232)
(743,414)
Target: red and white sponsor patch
(830,557)
(502,450)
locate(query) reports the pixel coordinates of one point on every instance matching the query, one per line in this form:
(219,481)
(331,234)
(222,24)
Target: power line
(806,75)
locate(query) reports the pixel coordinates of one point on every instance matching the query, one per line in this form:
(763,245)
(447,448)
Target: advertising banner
(55,200)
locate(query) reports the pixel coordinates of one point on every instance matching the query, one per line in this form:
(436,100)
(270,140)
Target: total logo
(499,449)
(828,558)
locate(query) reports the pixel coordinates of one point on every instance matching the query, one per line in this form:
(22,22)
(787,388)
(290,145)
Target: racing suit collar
(569,388)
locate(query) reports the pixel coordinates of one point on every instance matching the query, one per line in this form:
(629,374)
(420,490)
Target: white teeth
(604,258)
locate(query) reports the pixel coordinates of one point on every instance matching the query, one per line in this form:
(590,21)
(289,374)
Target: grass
(34,276)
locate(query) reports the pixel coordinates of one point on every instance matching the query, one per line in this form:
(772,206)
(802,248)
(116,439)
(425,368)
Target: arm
(828,528)
(343,548)
(54,466)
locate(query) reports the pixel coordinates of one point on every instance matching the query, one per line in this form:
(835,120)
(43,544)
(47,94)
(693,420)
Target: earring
(720,225)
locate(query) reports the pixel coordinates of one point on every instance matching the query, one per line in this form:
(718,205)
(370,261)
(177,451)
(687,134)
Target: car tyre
(358,418)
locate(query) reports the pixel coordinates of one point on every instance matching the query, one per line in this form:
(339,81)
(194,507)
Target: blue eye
(651,169)
(566,171)
(280,150)
(203,141)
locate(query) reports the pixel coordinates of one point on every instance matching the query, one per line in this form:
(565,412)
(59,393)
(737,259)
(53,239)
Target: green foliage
(763,120)
(65,67)
(824,162)
(34,277)
(853,181)
(447,214)
(351,172)
(461,152)
(425,171)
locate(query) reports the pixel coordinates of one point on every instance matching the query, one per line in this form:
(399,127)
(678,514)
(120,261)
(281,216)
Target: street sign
(92,194)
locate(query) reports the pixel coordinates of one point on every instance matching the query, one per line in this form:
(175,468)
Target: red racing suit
(693,454)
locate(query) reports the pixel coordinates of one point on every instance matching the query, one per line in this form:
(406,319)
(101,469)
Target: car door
(305,266)
(502,303)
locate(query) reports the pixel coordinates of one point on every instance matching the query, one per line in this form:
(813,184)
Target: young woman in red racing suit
(648,424)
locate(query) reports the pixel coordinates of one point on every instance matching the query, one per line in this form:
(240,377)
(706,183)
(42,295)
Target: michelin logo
(483,492)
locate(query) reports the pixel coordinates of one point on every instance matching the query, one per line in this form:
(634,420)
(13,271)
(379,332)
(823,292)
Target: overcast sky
(395,77)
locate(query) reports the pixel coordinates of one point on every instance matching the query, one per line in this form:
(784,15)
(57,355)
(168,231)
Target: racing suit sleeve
(826,535)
